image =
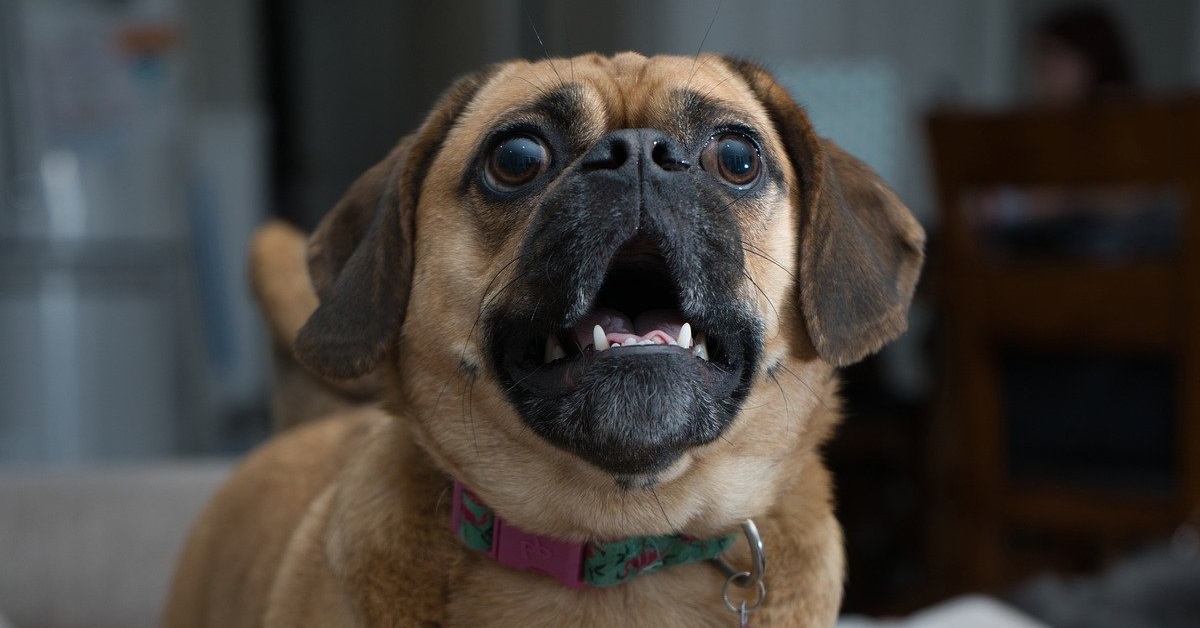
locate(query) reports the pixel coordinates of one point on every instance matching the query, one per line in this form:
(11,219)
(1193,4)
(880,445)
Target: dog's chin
(648,481)
(631,411)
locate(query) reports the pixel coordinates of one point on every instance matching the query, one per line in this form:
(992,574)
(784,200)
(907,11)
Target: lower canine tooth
(701,349)
(598,338)
(554,350)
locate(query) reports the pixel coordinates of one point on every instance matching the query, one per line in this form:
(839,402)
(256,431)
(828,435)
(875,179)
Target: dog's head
(587,278)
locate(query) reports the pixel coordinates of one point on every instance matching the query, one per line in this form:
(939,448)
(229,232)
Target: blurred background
(1036,435)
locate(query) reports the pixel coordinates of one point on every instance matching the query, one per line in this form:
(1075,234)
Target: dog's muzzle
(623,340)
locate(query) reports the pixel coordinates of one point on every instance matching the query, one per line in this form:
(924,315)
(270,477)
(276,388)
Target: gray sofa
(96,547)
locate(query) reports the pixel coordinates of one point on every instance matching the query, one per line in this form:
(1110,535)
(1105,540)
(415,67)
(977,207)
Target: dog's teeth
(673,343)
(685,336)
(554,350)
(701,349)
(645,342)
(599,340)
(629,342)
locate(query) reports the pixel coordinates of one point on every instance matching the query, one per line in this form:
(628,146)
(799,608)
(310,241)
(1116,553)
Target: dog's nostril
(610,156)
(668,156)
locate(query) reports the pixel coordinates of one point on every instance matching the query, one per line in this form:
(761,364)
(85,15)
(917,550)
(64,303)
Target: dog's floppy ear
(360,260)
(860,248)
(861,254)
(361,255)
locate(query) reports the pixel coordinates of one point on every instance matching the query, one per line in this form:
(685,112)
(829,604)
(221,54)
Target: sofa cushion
(96,547)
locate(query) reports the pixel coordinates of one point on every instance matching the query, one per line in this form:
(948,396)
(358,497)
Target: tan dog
(485,273)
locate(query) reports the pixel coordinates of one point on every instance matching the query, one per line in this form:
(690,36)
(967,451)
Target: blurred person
(1080,57)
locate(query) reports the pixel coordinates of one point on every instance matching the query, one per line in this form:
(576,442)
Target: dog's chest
(495,597)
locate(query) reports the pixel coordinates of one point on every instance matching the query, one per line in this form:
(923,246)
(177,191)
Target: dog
(603,301)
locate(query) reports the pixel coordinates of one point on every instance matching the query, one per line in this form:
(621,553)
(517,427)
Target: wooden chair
(1147,306)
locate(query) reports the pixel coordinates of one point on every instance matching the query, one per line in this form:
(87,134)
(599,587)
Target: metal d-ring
(743,608)
(753,578)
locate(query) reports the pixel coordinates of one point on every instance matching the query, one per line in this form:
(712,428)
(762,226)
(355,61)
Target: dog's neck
(574,565)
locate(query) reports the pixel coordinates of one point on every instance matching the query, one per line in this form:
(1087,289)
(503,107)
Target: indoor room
(1007,189)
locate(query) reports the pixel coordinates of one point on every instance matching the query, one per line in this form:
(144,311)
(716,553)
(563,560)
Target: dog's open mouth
(607,328)
(637,306)
(645,373)
(636,312)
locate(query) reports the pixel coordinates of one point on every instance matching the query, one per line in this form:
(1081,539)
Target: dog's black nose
(628,148)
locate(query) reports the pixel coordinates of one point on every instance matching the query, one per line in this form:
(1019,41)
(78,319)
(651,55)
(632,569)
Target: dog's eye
(733,157)
(515,162)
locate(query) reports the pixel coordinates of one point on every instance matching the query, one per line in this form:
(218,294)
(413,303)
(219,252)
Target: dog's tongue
(661,326)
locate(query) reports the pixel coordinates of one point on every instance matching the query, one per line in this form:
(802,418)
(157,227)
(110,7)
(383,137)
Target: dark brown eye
(733,157)
(516,161)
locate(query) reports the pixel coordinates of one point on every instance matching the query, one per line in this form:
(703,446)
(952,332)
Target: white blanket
(975,611)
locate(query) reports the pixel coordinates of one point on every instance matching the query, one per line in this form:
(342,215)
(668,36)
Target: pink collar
(575,565)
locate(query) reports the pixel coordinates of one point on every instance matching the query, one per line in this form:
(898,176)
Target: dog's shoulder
(237,544)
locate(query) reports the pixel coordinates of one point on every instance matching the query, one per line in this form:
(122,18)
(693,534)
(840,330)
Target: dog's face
(609,292)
